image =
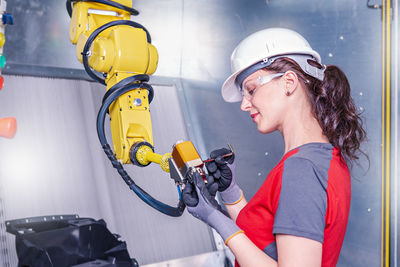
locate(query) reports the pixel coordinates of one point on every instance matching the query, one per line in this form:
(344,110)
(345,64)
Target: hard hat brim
(230,92)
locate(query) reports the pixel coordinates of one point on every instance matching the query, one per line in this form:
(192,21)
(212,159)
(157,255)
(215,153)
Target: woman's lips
(254,115)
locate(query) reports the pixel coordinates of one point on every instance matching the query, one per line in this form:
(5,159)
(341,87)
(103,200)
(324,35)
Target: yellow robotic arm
(108,42)
(120,50)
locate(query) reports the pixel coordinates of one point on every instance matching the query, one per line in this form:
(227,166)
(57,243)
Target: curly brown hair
(332,105)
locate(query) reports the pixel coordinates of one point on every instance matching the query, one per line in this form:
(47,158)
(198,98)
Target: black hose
(133,11)
(92,37)
(129,80)
(162,207)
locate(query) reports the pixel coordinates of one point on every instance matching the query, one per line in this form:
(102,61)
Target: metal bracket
(174,171)
(373,6)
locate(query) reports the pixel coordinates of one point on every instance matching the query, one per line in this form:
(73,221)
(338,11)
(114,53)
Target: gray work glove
(223,172)
(203,206)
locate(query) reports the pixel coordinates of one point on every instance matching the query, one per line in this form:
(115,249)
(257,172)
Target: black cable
(85,52)
(133,11)
(127,81)
(162,207)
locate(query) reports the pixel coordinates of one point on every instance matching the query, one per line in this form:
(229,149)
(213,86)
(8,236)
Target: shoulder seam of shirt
(302,158)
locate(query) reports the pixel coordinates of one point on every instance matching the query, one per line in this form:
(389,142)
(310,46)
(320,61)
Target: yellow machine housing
(85,20)
(125,49)
(120,52)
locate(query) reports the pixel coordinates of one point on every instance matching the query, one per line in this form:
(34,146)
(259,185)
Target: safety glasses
(249,88)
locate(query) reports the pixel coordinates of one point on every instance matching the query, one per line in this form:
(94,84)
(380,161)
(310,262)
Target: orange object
(8,127)
(185,155)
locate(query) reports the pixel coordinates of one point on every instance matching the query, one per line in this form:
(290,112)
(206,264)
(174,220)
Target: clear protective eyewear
(249,88)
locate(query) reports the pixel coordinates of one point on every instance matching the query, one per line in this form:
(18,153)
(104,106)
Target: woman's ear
(291,82)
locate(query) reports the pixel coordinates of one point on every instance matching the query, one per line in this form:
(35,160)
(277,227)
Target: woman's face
(267,102)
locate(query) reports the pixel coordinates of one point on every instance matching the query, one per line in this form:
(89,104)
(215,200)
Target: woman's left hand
(203,206)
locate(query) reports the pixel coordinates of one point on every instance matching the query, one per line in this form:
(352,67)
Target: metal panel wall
(195,39)
(55,165)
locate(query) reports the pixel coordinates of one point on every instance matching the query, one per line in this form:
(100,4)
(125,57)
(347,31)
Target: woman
(299,215)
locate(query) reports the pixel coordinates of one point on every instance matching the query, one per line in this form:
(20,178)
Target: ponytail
(336,112)
(332,105)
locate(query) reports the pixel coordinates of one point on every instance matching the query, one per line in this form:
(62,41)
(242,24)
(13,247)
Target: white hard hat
(260,49)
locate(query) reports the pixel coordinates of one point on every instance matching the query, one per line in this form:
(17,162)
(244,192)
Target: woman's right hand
(223,172)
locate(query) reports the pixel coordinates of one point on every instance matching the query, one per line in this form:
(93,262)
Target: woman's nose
(246,104)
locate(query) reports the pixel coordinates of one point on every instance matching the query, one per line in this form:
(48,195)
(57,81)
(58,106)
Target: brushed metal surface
(211,259)
(55,165)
